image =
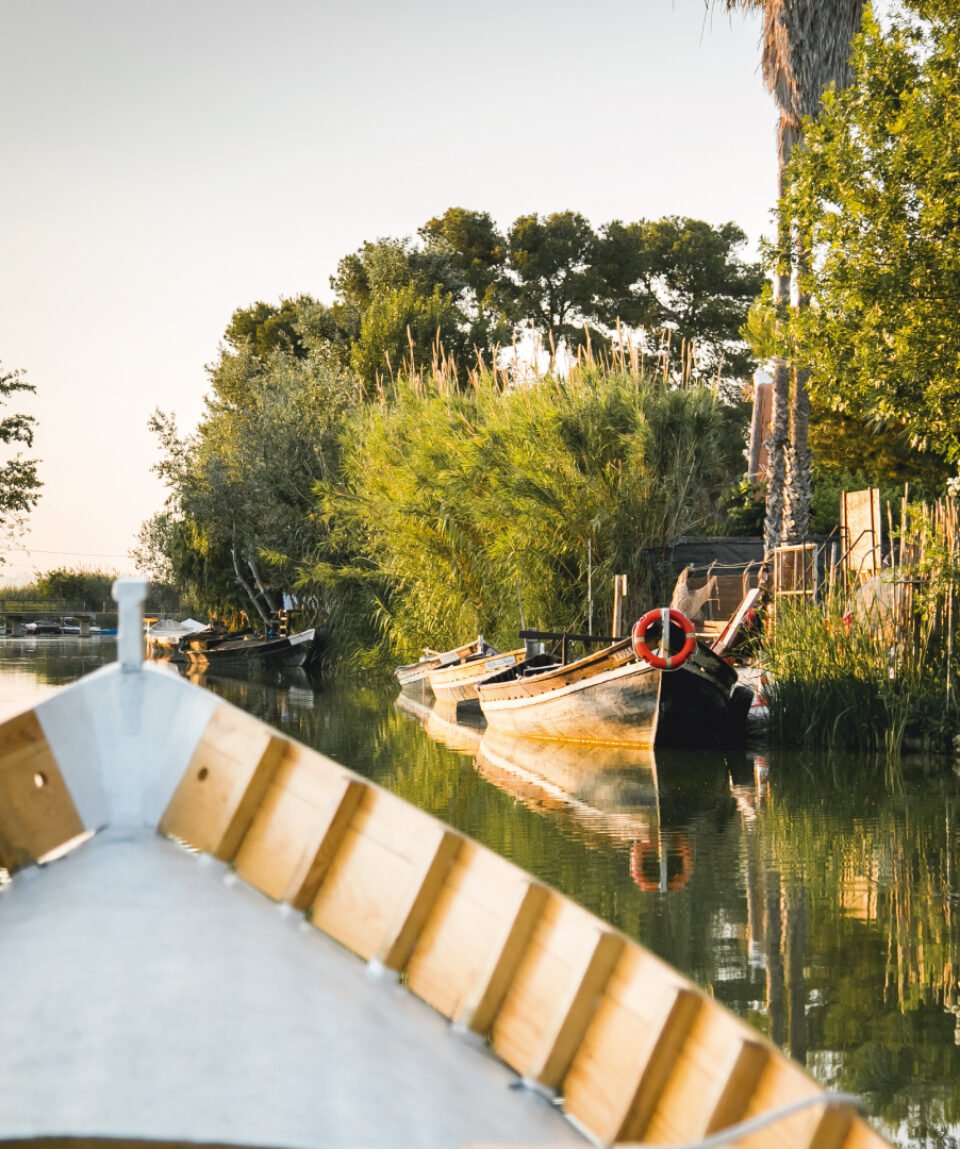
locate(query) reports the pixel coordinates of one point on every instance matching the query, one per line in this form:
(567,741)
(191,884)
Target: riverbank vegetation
(870,202)
(437,509)
(875,667)
(489,509)
(383,463)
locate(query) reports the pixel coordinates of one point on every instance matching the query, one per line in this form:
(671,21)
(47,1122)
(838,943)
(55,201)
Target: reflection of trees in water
(55,661)
(853,896)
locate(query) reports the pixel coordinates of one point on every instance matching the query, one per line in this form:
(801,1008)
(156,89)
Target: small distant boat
(626,693)
(248,650)
(414,677)
(43,626)
(164,636)
(457,684)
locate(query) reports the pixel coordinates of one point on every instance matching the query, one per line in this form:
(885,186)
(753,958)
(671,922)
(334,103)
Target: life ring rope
(664,660)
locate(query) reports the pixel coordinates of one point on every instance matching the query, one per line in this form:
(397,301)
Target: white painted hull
(177,999)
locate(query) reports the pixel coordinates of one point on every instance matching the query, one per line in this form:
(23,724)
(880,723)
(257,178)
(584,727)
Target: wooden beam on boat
(299,826)
(710,1081)
(379,887)
(225,783)
(550,1001)
(37,812)
(627,1054)
(781,1083)
(475,936)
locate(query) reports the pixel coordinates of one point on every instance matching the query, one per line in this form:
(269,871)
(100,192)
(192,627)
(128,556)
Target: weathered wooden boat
(624,693)
(413,677)
(221,652)
(457,685)
(156,996)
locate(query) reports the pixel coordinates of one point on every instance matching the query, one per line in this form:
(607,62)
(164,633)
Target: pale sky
(168,161)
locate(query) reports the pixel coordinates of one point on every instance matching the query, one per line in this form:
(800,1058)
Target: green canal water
(818,898)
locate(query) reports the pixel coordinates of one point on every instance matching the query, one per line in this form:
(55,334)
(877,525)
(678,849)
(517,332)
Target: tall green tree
(806,50)
(240,515)
(683,275)
(552,280)
(19,481)
(877,189)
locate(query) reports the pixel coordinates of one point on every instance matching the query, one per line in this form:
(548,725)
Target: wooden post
(619,595)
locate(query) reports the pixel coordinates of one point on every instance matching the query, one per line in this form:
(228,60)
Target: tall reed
(872,667)
(477,508)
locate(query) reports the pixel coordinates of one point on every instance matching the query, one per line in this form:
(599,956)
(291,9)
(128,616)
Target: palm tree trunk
(799,484)
(777,444)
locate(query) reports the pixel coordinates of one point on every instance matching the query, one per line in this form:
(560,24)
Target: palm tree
(806,48)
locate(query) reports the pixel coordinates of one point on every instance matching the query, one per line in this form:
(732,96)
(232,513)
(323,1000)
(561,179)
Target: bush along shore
(873,667)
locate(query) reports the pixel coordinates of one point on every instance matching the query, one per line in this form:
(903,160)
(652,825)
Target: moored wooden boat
(457,684)
(156,997)
(612,696)
(250,650)
(413,677)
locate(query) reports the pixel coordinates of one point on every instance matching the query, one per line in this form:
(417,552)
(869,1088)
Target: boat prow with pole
(215,935)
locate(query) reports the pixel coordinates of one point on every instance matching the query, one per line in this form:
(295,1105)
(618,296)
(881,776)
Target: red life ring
(664,615)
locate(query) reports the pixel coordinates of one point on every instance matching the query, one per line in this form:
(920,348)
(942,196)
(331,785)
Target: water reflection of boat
(611,789)
(442,725)
(601,791)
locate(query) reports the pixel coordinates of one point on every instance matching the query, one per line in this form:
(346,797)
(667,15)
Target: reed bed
(872,666)
(489,504)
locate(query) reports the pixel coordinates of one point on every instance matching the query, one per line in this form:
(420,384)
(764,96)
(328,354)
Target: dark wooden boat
(250,650)
(613,696)
(414,986)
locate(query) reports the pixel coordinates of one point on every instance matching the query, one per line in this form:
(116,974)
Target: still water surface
(819,899)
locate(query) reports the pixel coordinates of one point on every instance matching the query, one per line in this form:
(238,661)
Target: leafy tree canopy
(19,482)
(554,274)
(876,192)
(264,328)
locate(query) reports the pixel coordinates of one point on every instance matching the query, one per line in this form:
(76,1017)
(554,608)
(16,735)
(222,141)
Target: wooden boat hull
(612,697)
(414,677)
(259,1030)
(455,685)
(289,651)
